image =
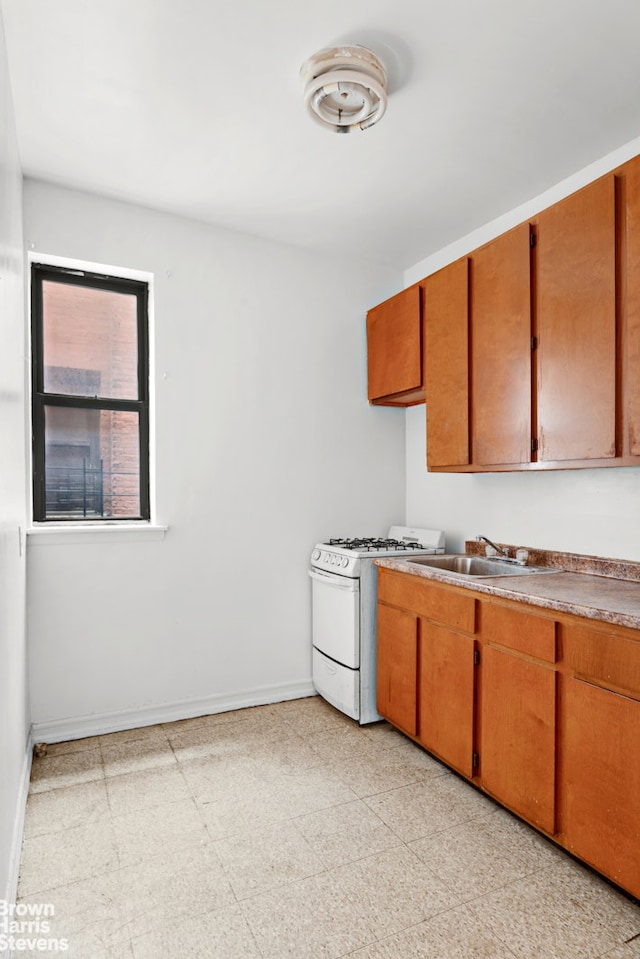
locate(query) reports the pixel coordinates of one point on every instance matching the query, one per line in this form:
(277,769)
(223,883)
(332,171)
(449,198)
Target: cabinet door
(518,735)
(631,314)
(397,667)
(500,309)
(446,695)
(576,325)
(394,350)
(599,785)
(446,365)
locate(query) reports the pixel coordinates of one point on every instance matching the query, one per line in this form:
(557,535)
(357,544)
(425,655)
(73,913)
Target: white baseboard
(77,727)
(11,891)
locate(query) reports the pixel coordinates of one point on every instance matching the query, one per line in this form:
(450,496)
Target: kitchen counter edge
(587,594)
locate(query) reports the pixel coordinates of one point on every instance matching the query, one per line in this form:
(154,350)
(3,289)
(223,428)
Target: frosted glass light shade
(345,88)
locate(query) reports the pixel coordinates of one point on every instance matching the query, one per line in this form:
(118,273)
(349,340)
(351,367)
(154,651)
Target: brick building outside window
(90,396)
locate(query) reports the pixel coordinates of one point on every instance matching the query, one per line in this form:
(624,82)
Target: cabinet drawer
(426,599)
(603,659)
(523,632)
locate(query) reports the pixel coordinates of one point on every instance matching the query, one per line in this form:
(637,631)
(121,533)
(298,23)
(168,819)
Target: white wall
(596,512)
(265,444)
(14,761)
(584,511)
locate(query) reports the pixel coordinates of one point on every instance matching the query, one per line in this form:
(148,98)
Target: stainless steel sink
(459,564)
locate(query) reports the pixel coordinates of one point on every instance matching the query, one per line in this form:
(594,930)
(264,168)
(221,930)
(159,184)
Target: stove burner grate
(373,543)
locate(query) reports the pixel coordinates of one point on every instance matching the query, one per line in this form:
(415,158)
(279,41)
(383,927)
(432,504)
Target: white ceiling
(196,107)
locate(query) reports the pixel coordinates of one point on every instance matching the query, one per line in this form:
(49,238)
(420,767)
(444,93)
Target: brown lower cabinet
(445,694)
(518,735)
(539,709)
(517,718)
(397,676)
(600,795)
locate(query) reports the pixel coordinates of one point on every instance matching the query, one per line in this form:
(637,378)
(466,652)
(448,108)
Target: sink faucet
(522,555)
(499,549)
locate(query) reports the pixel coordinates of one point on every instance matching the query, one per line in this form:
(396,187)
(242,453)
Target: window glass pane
(90,341)
(92,463)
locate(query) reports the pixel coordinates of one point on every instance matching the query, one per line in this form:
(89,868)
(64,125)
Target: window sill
(85,533)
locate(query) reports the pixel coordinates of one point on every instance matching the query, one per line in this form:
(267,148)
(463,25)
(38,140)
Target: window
(90,396)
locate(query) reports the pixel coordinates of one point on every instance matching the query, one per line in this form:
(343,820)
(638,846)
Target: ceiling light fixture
(345,88)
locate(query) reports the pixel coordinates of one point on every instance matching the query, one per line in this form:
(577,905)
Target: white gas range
(344,588)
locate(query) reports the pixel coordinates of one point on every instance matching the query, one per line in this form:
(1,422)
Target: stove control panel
(328,558)
(335,561)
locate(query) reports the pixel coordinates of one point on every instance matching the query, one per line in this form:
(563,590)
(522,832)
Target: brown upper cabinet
(446,365)
(478,356)
(575,326)
(628,203)
(531,342)
(538,340)
(500,349)
(394,350)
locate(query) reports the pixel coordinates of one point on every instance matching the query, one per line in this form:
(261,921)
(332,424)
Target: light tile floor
(289,831)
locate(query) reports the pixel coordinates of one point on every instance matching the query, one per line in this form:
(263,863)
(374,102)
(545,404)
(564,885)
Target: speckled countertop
(589,586)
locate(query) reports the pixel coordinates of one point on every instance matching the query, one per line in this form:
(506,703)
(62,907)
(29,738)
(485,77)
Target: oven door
(335,608)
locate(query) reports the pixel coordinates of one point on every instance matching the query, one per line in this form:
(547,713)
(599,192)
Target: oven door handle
(339,582)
